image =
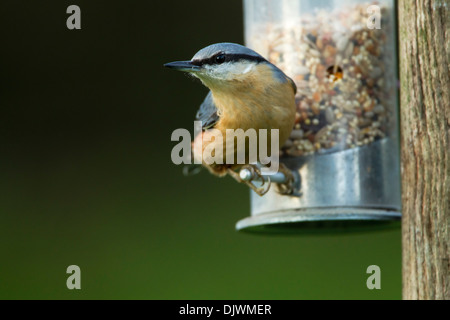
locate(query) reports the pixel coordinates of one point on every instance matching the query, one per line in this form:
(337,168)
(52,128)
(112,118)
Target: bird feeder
(344,147)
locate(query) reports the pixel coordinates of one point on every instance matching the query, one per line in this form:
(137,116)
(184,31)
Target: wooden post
(424,46)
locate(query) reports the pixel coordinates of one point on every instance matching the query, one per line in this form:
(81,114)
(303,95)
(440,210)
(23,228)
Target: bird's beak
(185,66)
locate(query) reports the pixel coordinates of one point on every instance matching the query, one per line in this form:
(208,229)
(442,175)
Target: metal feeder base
(354,189)
(320,220)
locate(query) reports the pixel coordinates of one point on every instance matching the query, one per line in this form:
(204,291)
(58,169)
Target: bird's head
(227,65)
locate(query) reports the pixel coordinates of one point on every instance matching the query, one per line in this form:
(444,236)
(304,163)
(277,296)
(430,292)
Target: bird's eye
(220,58)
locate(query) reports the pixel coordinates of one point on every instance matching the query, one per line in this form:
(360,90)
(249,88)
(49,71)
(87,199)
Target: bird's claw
(255,171)
(288,187)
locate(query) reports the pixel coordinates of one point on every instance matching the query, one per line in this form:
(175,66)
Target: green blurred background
(86,176)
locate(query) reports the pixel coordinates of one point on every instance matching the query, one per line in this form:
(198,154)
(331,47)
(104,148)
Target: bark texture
(424,45)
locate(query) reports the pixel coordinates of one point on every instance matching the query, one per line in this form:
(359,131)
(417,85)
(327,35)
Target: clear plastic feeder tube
(342,56)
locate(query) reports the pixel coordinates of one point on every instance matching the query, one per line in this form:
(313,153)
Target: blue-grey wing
(207,113)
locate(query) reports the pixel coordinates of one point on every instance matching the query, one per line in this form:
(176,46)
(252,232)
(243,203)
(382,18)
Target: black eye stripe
(228,57)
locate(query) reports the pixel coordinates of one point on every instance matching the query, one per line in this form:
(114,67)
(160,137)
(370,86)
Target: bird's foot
(288,187)
(255,171)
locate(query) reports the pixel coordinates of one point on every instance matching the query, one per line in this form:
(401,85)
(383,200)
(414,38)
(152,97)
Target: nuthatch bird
(246,92)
